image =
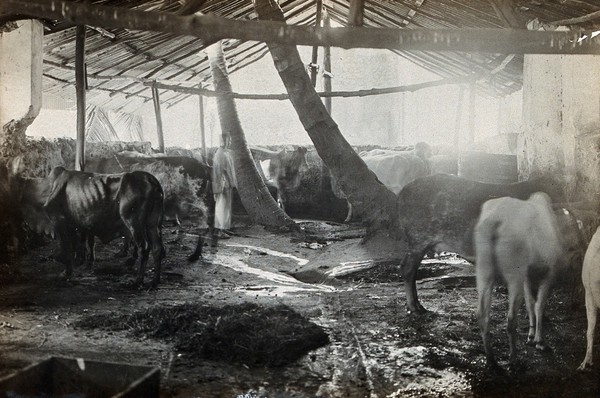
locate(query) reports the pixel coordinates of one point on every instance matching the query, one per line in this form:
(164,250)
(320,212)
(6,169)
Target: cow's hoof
(585,366)
(543,347)
(194,257)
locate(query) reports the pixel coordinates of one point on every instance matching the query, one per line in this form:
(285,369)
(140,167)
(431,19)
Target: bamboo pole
(202,127)
(80,86)
(327,75)
(314,66)
(210,28)
(459,108)
(159,125)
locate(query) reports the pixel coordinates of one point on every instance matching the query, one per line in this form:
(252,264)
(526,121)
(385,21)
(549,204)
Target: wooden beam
(211,27)
(314,66)
(324,94)
(572,21)
(355,14)
(159,125)
(80,86)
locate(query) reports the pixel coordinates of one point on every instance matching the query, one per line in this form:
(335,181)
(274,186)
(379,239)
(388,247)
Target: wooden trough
(76,377)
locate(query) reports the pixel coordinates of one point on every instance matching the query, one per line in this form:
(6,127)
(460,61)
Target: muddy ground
(375,348)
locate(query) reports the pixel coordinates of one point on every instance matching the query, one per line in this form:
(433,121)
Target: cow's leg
(530,305)
(349,215)
(198,251)
(485,283)
(281,199)
(158,251)
(90,243)
(67,237)
(125,248)
(515,299)
(540,305)
(409,269)
(591,312)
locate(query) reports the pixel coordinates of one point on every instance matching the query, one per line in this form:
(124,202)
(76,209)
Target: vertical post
(459,108)
(402,138)
(202,129)
(80,86)
(327,75)
(355,13)
(472,114)
(159,126)
(315,49)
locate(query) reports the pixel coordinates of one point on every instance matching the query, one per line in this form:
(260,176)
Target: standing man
(223,182)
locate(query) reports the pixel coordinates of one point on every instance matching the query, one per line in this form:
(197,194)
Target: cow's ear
(16,166)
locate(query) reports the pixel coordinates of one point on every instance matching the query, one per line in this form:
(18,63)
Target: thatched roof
(120,61)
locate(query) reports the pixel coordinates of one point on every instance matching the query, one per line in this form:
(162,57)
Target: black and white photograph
(299,198)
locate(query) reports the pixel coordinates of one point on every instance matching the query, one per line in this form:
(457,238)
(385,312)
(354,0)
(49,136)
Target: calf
(522,242)
(285,169)
(107,206)
(440,211)
(590,275)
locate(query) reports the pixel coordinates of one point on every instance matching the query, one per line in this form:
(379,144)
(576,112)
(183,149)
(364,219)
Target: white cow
(590,275)
(526,243)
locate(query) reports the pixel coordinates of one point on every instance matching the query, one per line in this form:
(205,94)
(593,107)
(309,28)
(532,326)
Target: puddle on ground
(283,283)
(301,261)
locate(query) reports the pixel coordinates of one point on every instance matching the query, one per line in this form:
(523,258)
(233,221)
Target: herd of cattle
(515,231)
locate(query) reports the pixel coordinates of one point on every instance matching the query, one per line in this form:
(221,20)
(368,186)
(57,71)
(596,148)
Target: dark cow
(186,182)
(440,212)
(107,206)
(285,169)
(527,243)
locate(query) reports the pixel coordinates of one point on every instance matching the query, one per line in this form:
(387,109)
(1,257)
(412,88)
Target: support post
(327,75)
(459,109)
(80,87)
(315,50)
(202,128)
(472,113)
(355,13)
(159,126)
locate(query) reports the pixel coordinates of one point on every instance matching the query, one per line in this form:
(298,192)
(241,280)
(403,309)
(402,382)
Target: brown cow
(440,211)
(107,206)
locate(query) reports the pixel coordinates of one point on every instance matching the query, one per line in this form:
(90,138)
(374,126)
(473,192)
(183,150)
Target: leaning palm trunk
(352,175)
(255,196)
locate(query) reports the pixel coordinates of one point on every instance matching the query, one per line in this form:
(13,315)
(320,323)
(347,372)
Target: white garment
(223,202)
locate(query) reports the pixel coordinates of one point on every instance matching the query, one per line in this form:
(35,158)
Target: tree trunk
(353,176)
(255,196)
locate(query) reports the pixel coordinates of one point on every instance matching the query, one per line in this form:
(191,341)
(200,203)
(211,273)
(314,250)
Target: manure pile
(245,333)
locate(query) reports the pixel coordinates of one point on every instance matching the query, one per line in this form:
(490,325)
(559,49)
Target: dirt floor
(372,348)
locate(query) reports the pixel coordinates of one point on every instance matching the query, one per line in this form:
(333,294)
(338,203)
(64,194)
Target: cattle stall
(349,267)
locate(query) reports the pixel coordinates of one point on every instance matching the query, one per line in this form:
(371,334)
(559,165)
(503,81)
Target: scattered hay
(246,333)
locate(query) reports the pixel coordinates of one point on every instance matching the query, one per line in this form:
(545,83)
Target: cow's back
(445,208)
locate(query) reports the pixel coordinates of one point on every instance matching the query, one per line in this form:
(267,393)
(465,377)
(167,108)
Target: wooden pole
(202,129)
(210,28)
(314,66)
(472,114)
(80,87)
(327,75)
(159,125)
(355,13)
(459,108)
